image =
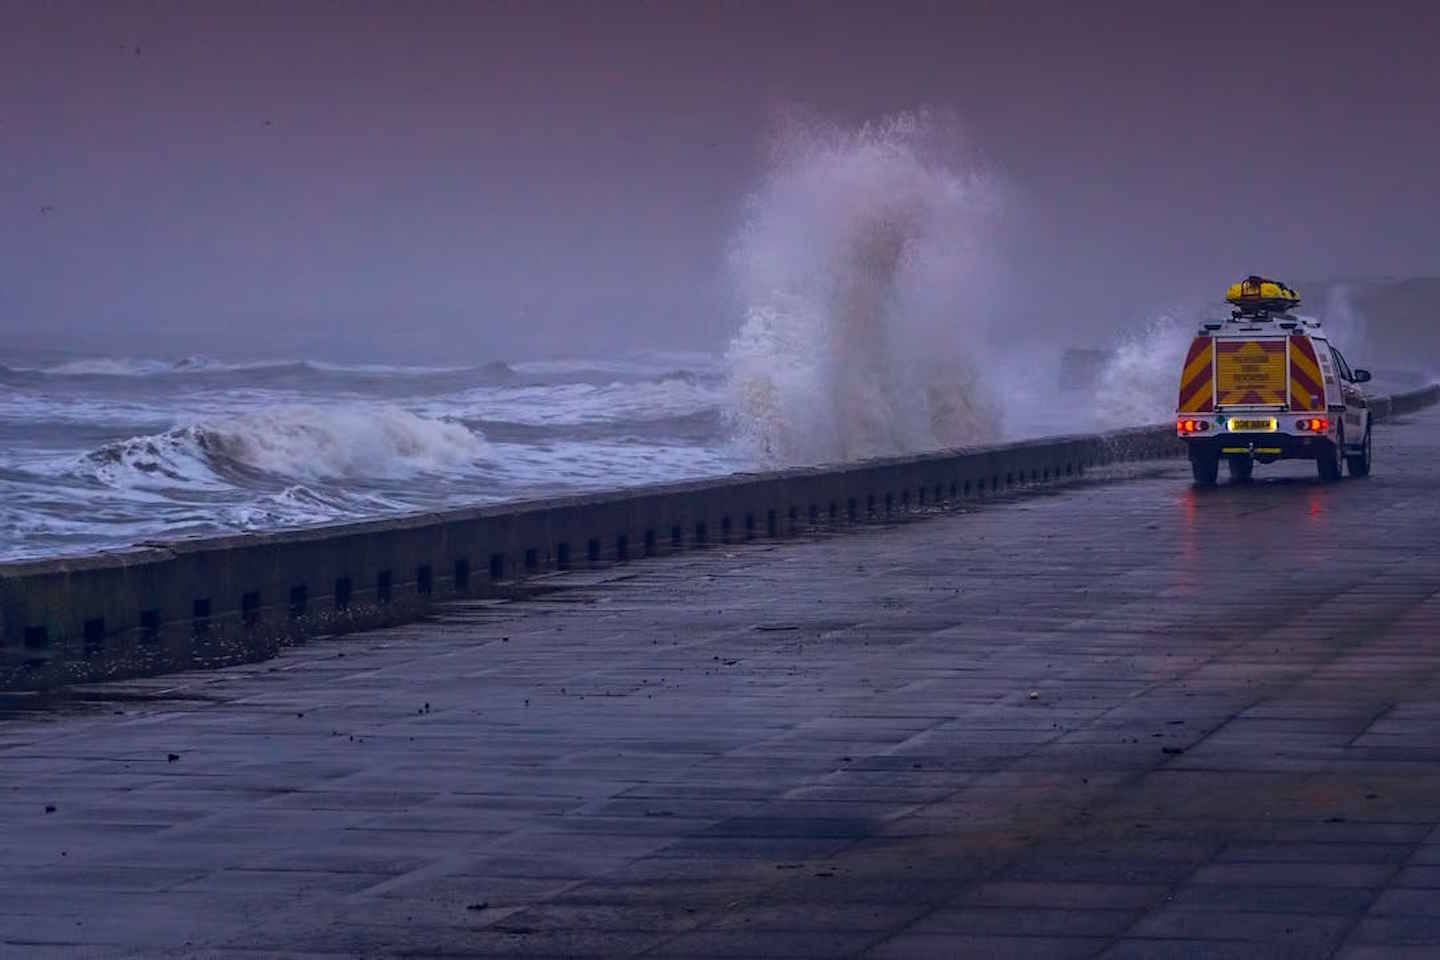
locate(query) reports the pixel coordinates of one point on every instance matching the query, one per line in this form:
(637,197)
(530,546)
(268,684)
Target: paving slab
(1117,718)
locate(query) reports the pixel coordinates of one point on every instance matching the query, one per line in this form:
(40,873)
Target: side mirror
(1361,376)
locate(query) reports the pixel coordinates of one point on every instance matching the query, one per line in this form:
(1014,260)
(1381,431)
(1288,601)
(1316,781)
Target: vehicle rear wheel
(1241,469)
(1205,466)
(1360,464)
(1330,462)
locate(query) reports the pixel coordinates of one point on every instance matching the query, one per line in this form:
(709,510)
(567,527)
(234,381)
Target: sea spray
(859,268)
(1141,381)
(1344,323)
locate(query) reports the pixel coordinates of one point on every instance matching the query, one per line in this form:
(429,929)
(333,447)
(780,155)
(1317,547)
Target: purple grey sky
(509,180)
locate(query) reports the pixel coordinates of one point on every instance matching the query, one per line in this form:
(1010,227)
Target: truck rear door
(1251,372)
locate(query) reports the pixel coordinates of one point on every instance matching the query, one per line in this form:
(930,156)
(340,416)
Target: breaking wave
(125,367)
(293,442)
(859,269)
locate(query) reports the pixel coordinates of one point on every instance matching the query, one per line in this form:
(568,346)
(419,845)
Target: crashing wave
(290,442)
(129,367)
(857,266)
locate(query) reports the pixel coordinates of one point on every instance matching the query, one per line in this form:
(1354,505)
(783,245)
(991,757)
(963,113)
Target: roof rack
(1261,315)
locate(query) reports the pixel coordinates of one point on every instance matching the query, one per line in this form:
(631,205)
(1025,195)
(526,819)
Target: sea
(98,453)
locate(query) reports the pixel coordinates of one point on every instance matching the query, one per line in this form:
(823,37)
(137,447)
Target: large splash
(860,268)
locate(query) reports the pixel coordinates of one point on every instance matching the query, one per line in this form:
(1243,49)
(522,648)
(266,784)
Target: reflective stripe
(1197,380)
(1306,392)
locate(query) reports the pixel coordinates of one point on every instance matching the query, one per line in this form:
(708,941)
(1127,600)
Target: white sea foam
(565,465)
(300,504)
(307,442)
(859,269)
(585,403)
(123,367)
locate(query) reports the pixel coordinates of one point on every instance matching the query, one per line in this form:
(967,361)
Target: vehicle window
(1342,366)
(1322,354)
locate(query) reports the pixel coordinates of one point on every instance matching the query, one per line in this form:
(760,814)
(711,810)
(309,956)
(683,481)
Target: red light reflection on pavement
(1189,568)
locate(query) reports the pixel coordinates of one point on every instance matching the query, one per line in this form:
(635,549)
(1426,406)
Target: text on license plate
(1263,425)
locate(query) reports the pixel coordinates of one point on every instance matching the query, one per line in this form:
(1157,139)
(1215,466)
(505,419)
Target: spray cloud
(860,267)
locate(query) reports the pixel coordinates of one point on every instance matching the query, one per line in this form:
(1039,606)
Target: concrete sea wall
(221,600)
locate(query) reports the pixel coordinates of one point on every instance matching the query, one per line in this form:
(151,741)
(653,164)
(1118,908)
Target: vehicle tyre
(1330,463)
(1241,469)
(1360,464)
(1205,467)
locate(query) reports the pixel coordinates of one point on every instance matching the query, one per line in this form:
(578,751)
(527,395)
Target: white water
(297,441)
(1140,384)
(100,452)
(124,367)
(860,268)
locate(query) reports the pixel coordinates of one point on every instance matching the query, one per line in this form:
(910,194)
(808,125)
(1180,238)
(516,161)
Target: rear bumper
(1265,447)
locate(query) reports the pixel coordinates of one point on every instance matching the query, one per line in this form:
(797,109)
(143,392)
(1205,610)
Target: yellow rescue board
(1260,293)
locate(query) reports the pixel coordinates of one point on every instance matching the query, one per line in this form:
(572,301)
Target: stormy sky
(511,180)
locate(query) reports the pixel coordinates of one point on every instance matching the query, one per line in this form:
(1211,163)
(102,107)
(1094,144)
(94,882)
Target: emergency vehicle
(1268,385)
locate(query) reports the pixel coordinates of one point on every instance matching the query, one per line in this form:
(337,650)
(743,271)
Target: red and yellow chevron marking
(1250,373)
(1197,380)
(1307,386)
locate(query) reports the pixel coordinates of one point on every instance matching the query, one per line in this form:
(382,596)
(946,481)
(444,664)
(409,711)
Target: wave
(287,443)
(387,380)
(393,382)
(126,367)
(641,365)
(582,402)
(657,366)
(261,373)
(857,264)
(151,367)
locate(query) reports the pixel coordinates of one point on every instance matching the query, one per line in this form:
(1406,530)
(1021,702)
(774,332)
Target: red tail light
(1314,424)
(1191,426)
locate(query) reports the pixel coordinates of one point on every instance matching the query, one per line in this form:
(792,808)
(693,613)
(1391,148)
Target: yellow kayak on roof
(1258,293)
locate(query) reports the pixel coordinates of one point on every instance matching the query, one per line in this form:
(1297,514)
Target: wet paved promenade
(1119,719)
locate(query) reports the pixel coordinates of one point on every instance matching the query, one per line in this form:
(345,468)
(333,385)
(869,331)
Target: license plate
(1267,425)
